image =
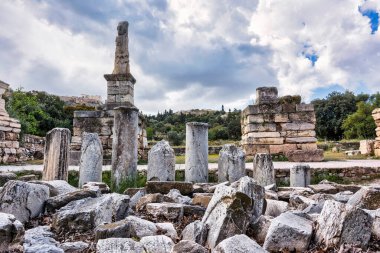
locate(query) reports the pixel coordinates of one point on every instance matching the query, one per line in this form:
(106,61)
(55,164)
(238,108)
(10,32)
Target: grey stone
(6,176)
(300,202)
(11,232)
(266,95)
(367,198)
(238,243)
(27,178)
(170,211)
(196,232)
(324,188)
(343,196)
(121,65)
(91,161)
(161,162)
(23,200)
(96,186)
(124,148)
(59,201)
(56,155)
(276,207)
(136,198)
(177,197)
(167,228)
(185,188)
(260,228)
(56,187)
(140,228)
(118,229)
(300,175)
(149,198)
(375,229)
(289,231)
(41,239)
(228,213)
(74,247)
(304,155)
(263,170)
(157,244)
(231,164)
(196,164)
(86,214)
(339,223)
(189,247)
(119,245)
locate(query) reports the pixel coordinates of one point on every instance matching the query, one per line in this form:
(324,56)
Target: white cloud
(334,30)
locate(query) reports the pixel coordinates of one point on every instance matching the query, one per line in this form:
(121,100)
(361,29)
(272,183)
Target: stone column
(91,161)
(196,164)
(300,175)
(161,162)
(231,164)
(263,170)
(56,160)
(124,147)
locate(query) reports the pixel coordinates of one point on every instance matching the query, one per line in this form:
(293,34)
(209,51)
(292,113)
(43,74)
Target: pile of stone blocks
(376,117)
(280,126)
(10,128)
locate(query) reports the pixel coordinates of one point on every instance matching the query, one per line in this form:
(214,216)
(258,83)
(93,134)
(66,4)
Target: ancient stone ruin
(120,92)
(280,126)
(376,117)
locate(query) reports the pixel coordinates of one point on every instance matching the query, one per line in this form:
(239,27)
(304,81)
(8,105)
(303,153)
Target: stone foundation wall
(278,125)
(376,117)
(100,122)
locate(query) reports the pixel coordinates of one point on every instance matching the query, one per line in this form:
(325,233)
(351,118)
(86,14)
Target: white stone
(300,175)
(196,164)
(177,197)
(231,164)
(157,244)
(11,232)
(275,207)
(196,232)
(119,245)
(167,228)
(41,239)
(238,243)
(91,161)
(263,170)
(171,211)
(161,162)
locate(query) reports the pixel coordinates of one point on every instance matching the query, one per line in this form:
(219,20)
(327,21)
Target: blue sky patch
(373,18)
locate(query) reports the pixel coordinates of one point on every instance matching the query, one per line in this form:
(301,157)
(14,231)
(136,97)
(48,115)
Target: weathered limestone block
(6,176)
(196,231)
(140,228)
(41,239)
(367,198)
(124,148)
(231,164)
(267,141)
(266,95)
(119,245)
(85,214)
(265,127)
(367,147)
(299,202)
(56,159)
(167,228)
(189,247)
(305,108)
(170,211)
(339,223)
(280,118)
(301,140)
(202,199)
(289,231)
(11,232)
(227,214)
(263,170)
(23,200)
(259,118)
(238,243)
(275,208)
(196,164)
(161,162)
(375,215)
(323,188)
(59,201)
(302,117)
(305,155)
(264,135)
(91,161)
(74,247)
(260,228)
(297,126)
(157,244)
(177,197)
(56,187)
(300,175)
(96,186)
(118,229)
(185,188)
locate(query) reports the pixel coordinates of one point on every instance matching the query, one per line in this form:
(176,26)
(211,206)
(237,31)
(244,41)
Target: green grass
(338,156)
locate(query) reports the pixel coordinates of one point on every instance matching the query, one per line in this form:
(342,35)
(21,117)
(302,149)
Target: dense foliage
(172,126)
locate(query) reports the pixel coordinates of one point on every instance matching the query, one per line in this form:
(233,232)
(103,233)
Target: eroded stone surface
(367,198)
(157,244)
(189,247)
(119,245)
(231,164)
(91,161)
(11,232)
(41,239)
(263,170)
(161,162)
(238,243)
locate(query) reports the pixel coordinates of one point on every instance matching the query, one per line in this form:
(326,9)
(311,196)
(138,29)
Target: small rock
(170,211)
(118,229)
(260,228)
(177,197)
(367,198)
(56,187)
(185,188)
(343,196)
(167,228)
(23,200)
(136,198)
(188,247)
(11,232)
(157,244)
(119,245)
(196,232)
(289,231)
(140,227)
(201,199)
(59,201)
(238,243)
(94,186)
(284,193)
(74,247)
(149,198)
(276,207)
(300,202)
(41,239)
(324,188)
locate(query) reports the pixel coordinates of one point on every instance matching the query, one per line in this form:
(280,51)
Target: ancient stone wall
(376,117)
(280,126)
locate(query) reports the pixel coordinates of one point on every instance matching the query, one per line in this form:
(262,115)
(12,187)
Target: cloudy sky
(193,53)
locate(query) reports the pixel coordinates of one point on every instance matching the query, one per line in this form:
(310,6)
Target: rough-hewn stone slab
(185,188)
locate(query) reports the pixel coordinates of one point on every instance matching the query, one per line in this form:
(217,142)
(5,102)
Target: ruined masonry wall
(376,117)
(277,126)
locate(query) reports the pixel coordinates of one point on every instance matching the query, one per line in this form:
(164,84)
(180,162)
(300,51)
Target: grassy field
(334,156)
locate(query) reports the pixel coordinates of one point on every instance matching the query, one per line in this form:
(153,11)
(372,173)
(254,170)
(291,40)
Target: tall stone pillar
(56,160)
(161,162)
(91,161)
(300,175)
(196,162)
(231,164)
(263,170)
(124,148)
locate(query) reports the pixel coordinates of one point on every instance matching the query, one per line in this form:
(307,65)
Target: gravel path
(277,165)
